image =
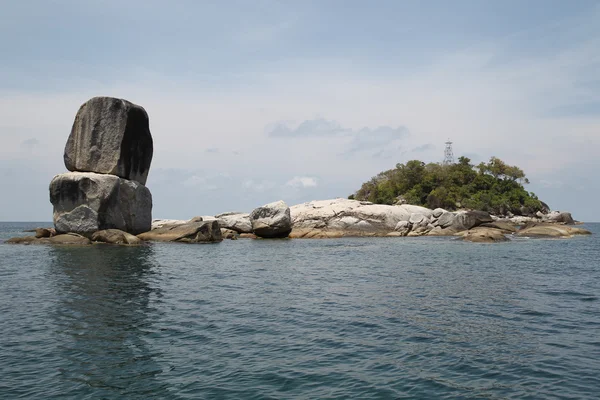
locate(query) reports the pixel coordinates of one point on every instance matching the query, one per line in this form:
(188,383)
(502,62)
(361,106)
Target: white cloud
(302,182)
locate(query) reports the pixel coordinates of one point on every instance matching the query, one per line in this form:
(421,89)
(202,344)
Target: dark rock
(469,219)
(110,136)
(86,202)
(272,220)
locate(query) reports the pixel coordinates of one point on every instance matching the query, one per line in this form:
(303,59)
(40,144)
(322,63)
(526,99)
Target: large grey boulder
(239,222)
(85,202)
(469,219)
(190,232)
(561,217)
(110,136)
(272,220)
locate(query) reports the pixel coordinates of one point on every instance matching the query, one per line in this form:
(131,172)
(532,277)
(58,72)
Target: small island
(103,199)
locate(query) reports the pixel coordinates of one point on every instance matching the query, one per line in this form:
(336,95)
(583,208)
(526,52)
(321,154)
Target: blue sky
(254,101)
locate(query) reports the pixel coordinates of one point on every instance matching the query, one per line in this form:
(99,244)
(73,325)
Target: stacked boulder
(108,152)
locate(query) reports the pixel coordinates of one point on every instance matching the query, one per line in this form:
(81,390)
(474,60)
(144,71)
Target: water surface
(339,318)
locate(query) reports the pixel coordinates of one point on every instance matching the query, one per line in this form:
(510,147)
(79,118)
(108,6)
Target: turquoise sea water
(357,318)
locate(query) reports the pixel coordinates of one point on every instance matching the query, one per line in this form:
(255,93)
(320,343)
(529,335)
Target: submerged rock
(272,220)
(190,232)
(110,136)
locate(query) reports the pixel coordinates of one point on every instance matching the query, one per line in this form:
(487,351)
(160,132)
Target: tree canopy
(494,187)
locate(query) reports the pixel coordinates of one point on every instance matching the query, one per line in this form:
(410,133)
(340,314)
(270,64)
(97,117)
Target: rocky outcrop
(560,217)
(549,230)
(110,136)
(44,232)
(272,220)
(484,235)
(116,236)
(88,202)
(343,217)
(235,221)
(466,220)
(109,151)
(190,232)
(67,238)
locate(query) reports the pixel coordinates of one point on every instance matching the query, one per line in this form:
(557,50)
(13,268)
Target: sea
(350,318)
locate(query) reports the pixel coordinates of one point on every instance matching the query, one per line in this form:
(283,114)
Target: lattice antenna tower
(448,154)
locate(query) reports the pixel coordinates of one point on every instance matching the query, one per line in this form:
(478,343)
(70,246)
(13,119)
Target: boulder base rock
(272,220)
(190,232)
(86,202)
(110,136)
(116,236)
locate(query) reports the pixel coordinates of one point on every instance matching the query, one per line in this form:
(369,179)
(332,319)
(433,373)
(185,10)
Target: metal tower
(448,154)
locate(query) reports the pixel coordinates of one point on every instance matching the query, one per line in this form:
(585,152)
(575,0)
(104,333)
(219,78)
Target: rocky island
(103,197)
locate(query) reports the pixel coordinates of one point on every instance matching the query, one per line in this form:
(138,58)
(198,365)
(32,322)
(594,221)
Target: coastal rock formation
(235,221)
(548,230)
(272,220)
(110,136)
(469,219)
(484,235)
(86,202)
(116,236)
(189,232)
(343,217)
(44,232)
(560,217)
(109,152)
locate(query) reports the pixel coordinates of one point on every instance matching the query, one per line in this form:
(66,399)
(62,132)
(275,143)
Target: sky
(256,101)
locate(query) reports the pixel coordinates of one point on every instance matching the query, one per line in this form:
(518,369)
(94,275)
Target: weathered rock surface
(44,232)
(272,220)
(466,220)
(229,234)
(86,202)
(116,236)
(159,223)
(343,217)
(190,232)
(239,222)
(552,230)
(505,227)
(560,217)
(484,235)
(110,136)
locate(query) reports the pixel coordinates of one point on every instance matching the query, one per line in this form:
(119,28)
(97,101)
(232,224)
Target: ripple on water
(341,318)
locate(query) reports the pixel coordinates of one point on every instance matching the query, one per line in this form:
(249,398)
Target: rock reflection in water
(106,294)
